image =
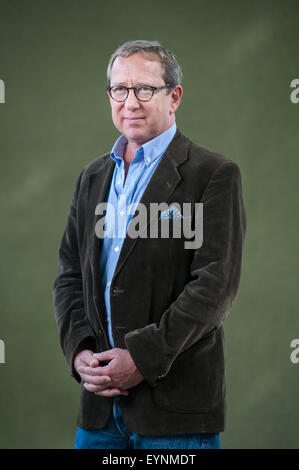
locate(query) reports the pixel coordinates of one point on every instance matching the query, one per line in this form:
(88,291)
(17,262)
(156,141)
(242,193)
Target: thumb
(93,362)
(104,356)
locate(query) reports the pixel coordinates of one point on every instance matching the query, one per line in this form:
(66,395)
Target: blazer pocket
(195,382)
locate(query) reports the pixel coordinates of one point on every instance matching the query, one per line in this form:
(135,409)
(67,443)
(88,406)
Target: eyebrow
(137,84)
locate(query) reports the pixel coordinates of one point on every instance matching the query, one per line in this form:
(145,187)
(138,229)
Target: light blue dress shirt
(122,193)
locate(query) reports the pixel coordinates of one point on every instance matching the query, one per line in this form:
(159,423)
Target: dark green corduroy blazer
(168,303)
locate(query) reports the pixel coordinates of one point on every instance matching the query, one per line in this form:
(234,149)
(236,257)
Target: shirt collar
(149,151)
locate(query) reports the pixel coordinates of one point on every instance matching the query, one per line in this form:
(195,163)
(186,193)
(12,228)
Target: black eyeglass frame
(135,88)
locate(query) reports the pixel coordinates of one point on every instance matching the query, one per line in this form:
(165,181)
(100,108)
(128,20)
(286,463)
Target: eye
(118,89)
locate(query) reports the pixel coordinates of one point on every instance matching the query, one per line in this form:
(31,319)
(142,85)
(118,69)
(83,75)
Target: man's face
(141,121)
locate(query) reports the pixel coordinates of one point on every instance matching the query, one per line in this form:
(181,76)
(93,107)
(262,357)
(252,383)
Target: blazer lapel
(99,184)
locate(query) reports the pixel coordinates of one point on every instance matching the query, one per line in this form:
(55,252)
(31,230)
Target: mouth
(132,119)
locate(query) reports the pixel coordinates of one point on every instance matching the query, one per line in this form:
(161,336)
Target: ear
(175,97)
(110,99)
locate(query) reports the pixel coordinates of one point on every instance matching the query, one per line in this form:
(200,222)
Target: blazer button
(118,291)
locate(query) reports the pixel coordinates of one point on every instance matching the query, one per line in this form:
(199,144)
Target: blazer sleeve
(215,274)
(74,329)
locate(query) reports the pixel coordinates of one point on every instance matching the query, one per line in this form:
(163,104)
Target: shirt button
(116,248)
(122,213)
(148,159)
(119,181)
(108,284)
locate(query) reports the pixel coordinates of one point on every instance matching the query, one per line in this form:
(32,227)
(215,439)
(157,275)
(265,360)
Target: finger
(96,380)
(112,392)
(94,370)
(95,388)
(105,355)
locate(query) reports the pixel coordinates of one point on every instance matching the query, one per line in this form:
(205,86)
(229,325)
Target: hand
(85,359)
(121,370)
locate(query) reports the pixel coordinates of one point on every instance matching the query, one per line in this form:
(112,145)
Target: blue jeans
(116,435)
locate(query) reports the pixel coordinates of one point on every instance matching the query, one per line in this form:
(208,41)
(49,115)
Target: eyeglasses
(142,93)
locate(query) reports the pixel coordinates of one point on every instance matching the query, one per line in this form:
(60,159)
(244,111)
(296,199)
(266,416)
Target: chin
(135,136)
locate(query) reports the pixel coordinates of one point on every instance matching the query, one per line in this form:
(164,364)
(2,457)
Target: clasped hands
(112,379)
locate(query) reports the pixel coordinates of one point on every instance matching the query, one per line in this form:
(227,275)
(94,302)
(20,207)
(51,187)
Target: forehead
(138,68)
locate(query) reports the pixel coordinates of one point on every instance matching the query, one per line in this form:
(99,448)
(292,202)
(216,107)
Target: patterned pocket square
(171,213)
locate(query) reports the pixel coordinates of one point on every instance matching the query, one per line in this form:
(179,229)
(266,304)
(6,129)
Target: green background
(238,59)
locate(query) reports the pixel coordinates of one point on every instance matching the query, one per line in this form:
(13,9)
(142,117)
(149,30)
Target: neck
(129,151)
(133,145)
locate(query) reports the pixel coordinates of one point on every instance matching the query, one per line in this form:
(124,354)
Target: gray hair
(171,71)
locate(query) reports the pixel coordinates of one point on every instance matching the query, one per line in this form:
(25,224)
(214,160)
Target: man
(140,318)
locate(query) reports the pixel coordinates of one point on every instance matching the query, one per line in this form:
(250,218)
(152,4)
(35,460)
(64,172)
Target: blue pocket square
(171,213)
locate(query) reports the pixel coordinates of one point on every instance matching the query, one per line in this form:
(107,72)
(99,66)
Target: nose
(132,102)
